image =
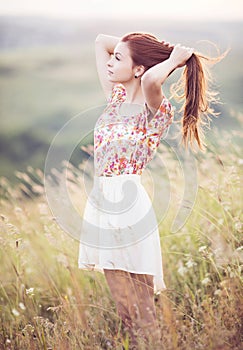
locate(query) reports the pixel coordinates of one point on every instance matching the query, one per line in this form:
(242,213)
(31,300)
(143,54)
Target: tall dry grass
(48,303)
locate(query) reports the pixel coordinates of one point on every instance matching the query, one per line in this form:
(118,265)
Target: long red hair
(192,87)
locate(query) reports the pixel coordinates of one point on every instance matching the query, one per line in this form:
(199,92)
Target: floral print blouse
(126,144)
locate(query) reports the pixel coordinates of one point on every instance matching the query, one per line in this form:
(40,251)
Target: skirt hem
(95,267)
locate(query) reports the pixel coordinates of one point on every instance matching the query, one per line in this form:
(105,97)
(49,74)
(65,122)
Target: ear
(140,70)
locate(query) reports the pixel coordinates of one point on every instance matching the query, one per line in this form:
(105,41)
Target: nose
(109,63)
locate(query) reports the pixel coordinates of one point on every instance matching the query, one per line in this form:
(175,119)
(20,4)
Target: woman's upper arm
(102,57)
(153,94)
(161,110)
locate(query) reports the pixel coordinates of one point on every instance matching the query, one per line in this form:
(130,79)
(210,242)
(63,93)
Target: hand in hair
(180,55)
(165,43)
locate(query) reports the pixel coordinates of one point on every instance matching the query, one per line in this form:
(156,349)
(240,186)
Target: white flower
(22,306)
(190,263)
(202,248)
(30,291)
(15,312)
(182,269)
(206,281)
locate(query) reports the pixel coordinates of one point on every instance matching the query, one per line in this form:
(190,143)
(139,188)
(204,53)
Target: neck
(134,92)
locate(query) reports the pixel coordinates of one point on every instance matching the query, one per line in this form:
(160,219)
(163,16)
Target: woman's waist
(117,177)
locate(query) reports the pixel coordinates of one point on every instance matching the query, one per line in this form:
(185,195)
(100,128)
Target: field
(46,302)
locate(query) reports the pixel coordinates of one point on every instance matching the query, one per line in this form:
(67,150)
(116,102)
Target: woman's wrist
(173,63)
(160,71)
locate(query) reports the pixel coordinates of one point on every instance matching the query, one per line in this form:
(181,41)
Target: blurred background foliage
(48,75)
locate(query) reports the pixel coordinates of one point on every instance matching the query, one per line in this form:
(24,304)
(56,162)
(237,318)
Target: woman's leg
(143,307)
(119,283)
(134,298)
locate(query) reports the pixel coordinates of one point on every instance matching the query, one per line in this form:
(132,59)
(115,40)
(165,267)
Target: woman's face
(120,66)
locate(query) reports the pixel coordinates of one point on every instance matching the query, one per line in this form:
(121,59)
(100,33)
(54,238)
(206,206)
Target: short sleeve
(118,94)
(158,126)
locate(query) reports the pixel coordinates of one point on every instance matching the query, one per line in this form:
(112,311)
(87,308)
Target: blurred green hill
(48,76)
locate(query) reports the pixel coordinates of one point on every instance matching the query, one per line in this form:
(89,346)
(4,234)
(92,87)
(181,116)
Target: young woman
(120,237)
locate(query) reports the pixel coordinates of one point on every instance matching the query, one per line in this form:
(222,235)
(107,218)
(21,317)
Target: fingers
(165,43)
(189,49)
(181,54)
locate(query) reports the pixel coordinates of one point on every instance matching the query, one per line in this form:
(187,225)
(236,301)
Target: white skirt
(119,229)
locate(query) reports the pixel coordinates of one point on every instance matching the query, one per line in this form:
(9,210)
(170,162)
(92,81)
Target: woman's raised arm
(104,47)
(154,77)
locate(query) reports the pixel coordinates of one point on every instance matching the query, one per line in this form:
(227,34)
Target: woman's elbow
(99,38)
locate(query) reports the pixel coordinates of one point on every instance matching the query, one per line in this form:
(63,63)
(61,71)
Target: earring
(136,76)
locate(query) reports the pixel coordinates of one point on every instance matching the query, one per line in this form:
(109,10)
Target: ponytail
(193,86)
(198,98)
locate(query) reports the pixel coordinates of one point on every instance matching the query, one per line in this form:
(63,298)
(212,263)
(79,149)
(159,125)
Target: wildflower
(202,248)
(15,312)
(190,263)
(30,291)
(182,269)
(22,306)
(206,281)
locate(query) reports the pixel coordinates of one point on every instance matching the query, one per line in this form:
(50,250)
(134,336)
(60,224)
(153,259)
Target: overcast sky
(174,9)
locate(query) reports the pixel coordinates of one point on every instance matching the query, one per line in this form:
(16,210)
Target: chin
(114,81)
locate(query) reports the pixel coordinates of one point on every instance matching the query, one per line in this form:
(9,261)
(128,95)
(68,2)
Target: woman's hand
(180,55)
(165,43)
